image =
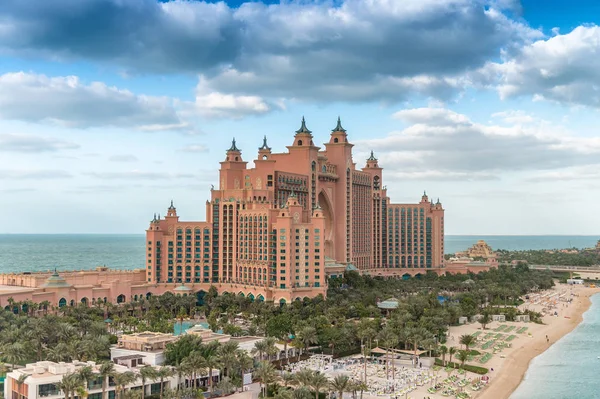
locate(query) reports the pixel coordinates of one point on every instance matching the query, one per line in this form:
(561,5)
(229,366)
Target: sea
(43,252)
(569,368)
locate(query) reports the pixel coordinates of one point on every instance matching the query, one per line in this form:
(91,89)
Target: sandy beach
(509,372)
(509,364)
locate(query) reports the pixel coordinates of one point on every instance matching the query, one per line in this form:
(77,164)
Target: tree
(304,377)
(14,353)
(443,351)
(122,380)
(69,384)
(161,374)
(212,363)
(287,378)
(317,382)
(484,320)
(226,386)
(107,369)
(85,374)
(302,393)
(147,373)
(462,356)
(466,340)
(308,335)
(244,363)
(195,363)
(266,374)
(451,352)
(340,384)
(176,351)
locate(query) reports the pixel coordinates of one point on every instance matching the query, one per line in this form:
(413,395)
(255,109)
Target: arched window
(336,140)
(299,142)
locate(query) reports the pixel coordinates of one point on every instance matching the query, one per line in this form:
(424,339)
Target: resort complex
(278,230)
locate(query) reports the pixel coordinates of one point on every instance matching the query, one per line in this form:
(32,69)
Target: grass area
(521,330)
(500,328)
(476,334)
(468,367)
(509,329)
(510,338)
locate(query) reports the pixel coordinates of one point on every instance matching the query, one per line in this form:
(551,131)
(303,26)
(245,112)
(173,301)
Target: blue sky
(109,109)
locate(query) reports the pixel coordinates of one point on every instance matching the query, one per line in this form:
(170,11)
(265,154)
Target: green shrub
(468,367)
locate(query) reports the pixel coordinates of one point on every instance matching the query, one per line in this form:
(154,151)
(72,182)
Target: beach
(509,372)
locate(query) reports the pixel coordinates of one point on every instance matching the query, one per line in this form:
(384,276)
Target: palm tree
(302,393)
(308,335)
(161,374)
(317,382)
(147,373)
(287,378)
(340,384)
(244,363)
(443,351)
(14,353)
(122,380)
(226,386)
(451,352)
(304,377)
(69,384)
(195,364)
(266,374)
(86,374)
(466,340)
(212,363)
(107,369)
(462,356)
(360,386)
(260,347)
(227,356)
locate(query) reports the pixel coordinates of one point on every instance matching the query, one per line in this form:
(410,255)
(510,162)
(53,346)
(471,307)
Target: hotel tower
(277,231)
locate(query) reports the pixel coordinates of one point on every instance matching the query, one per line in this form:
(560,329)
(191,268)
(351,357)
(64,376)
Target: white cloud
(354,50)
(139,175)
(33,174)
(123,158)
(440,144)
(68,102)
(195,148)
(11,142)
(563,68)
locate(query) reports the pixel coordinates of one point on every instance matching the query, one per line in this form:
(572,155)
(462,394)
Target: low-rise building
(149,345)
(41,380)
(207,334)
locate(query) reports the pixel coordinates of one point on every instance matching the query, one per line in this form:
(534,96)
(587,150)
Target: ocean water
(41,252)
(569,368)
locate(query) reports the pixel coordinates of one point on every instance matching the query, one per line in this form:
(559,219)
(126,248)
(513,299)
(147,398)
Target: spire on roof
(303,128)
(171,207)
(265,146)
(233,146)
(372,157)
(339,127)
(438,201)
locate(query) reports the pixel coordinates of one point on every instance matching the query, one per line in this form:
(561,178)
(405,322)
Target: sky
(110,109)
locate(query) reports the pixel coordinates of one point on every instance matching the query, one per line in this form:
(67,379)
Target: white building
(150,345)
(42,377)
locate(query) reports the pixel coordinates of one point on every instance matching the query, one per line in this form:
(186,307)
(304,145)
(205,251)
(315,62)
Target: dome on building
(389,304)
(182,288)
(55,281)
(351,267)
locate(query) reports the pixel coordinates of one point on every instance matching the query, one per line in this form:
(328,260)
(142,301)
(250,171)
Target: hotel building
(278,230)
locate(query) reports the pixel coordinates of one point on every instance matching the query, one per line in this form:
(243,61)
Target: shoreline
(515,365)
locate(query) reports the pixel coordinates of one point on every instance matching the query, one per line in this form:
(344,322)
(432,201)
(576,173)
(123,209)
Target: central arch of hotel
(325,204)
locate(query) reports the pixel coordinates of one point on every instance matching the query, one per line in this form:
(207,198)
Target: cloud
(251,55)
(16,190)
(67,102)
(33,174)
(563,68)
(139,175)
(11,142)
(439,144)
(195,148)
(123,158)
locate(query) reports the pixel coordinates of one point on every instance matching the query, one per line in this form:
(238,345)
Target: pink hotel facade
(274,232)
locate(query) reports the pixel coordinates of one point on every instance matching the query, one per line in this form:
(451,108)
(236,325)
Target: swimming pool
(177,330)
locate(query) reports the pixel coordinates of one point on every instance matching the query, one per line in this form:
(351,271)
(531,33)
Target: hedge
(468,367)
